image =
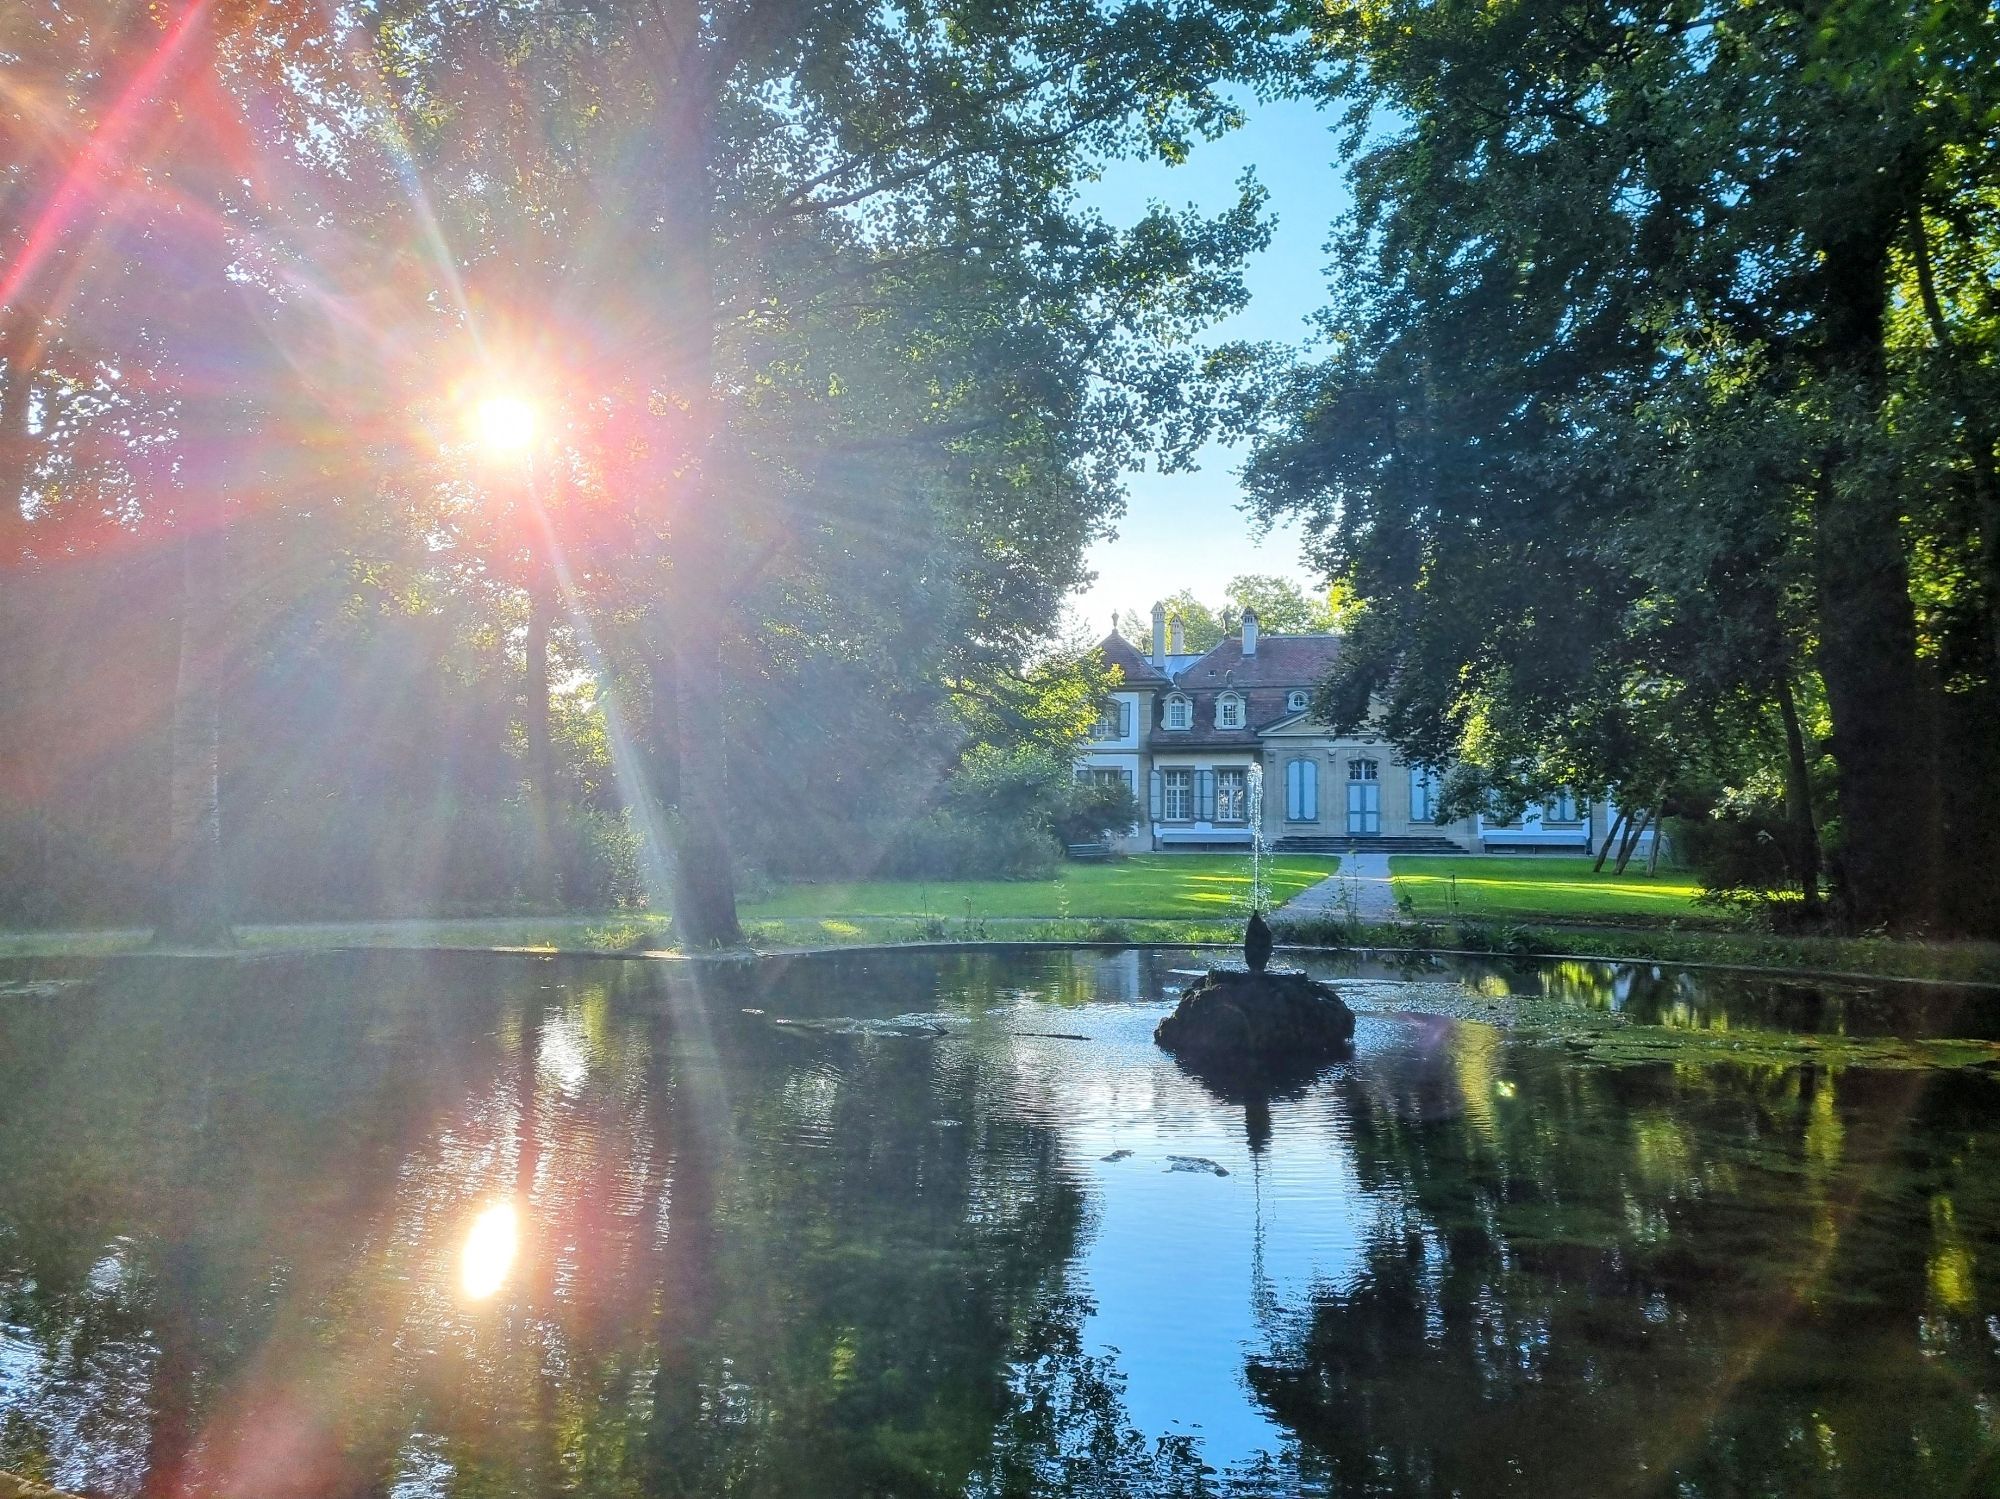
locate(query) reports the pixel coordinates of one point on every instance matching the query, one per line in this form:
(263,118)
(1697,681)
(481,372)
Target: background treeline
(833,377)
(375,759)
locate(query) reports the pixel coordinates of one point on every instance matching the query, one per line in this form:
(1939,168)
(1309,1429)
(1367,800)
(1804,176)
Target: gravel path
(1361,887)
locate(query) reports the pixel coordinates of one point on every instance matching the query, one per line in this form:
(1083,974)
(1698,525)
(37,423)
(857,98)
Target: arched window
(1180,712)
(1229,711)
(1295,700)
(1301,791)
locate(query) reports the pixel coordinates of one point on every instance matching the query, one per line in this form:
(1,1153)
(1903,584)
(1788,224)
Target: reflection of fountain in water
(1256,813)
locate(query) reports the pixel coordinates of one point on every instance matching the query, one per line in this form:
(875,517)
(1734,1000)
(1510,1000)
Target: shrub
(1087,810)
(947,845)
(1737,849)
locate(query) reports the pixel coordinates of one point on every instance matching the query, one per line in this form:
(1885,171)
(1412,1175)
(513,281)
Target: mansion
(1182,731)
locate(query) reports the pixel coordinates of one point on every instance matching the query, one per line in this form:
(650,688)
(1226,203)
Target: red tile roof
(1121,653)
(1282,663)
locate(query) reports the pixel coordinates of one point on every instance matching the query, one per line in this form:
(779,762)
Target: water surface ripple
(913,1224)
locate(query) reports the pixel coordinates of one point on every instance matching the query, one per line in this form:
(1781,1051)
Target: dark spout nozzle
(1257,942)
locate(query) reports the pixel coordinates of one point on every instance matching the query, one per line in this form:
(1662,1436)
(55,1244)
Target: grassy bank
(1876,957)
(1155,886)
(1541,888)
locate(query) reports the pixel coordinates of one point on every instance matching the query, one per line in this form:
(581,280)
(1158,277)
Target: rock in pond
(1247,1021)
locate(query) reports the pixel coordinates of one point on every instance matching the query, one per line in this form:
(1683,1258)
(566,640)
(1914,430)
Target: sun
(505,424)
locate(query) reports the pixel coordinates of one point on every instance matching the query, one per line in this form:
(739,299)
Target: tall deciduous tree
(1613,348)
(749,212)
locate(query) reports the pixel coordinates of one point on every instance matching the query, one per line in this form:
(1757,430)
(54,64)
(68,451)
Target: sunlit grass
(1145,885)
(1530,889)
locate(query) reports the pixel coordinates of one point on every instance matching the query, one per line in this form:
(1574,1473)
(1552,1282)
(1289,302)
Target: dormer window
(1295,700)
(1179,713)
(1229,711)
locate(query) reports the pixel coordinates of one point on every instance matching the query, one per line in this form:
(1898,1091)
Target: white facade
(1185,729)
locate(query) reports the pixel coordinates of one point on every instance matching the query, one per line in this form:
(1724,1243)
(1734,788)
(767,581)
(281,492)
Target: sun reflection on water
(489,1250)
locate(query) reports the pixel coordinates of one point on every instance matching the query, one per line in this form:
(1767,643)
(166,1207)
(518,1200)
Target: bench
(1086,851)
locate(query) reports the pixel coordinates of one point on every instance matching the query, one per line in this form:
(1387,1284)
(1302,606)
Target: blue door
(1364,798)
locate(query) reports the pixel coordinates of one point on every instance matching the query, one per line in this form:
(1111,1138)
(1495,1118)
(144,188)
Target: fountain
(1256,809)
(1245,1031)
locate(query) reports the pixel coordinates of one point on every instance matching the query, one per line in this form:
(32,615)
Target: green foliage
(949,845)
(1090,809)
(838,374)
(1637,414)
(1283,608)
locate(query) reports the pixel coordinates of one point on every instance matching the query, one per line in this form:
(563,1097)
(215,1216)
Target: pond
(910,1223)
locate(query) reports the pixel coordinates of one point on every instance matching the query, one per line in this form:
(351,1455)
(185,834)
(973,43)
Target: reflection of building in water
(1120,976)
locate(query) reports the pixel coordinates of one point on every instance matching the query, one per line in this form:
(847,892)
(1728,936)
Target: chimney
(1178,645)
(1160,636)
(1249,632)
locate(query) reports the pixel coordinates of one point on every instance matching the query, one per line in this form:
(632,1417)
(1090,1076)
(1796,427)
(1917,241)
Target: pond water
(909,1224)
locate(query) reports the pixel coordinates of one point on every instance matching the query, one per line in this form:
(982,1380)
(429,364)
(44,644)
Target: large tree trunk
(1633,834)
(543,811)
(704,880)
(195,908)
(1887,869)
(1610,837)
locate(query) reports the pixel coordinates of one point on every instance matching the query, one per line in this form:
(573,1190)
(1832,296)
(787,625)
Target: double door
(1364,798)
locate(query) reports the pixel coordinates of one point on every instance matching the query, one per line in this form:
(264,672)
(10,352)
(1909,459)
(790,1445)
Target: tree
(810,175)
(1562,409)
(1283,607)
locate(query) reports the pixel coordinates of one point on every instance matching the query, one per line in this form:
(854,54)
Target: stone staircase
(1432,843)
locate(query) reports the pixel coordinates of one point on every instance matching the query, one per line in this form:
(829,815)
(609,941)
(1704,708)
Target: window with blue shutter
(1301,791)
(1204,796)
(1158,810)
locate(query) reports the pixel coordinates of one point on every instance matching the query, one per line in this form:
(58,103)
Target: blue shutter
(1204,796)
(1124,719)
(1158,796)
(1302,791)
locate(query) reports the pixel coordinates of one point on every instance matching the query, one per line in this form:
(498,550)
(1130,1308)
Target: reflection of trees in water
(136,1253)
(852,1281)
(1689,999)
(1696,1280)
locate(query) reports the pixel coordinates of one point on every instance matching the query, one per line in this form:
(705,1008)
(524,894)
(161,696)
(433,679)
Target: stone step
(1381,844)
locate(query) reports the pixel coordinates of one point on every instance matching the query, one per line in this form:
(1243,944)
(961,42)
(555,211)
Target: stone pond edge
(749,955)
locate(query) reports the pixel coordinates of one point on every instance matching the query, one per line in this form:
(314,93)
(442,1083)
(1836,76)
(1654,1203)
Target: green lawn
(1164,885)
(1540,889)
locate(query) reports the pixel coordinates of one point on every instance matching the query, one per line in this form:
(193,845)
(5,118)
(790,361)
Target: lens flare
(489,1251)
(504,424)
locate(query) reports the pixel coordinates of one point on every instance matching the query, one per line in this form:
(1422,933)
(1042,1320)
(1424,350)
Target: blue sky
(1185,530)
